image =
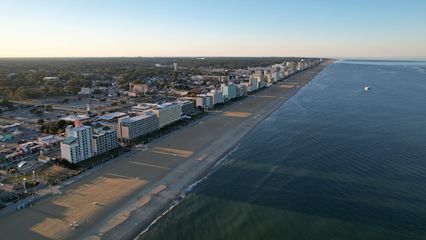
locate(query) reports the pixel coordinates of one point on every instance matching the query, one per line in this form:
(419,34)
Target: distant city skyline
(129,28)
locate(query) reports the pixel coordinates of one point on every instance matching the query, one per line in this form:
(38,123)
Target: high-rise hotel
(78,144)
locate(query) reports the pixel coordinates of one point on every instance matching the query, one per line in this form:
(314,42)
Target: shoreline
(187,191)
(206,171)
(125,197)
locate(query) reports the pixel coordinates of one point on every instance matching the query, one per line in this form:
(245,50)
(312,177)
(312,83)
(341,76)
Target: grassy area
(49,173)
(18,178)
(56,173)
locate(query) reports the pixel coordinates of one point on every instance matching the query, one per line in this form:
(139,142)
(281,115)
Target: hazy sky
(328,28)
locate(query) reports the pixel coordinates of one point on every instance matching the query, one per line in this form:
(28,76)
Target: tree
(54,127)
(48,108)
(73,90)
(5,103)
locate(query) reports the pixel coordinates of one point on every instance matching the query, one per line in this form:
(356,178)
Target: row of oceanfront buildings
(103,133)
(258,78)
(91,136)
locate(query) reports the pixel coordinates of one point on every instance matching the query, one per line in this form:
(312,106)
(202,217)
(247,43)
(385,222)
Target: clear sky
(101,28)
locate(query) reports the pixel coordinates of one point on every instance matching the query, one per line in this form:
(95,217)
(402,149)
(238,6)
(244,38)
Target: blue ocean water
(333,162)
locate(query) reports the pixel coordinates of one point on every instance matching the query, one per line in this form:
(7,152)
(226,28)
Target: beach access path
(121,198)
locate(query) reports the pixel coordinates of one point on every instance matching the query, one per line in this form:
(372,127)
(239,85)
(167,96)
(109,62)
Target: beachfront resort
(37,153)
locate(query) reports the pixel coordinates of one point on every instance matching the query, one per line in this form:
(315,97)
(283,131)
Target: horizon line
(230,56)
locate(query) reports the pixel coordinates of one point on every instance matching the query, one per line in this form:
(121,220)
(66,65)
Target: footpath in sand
(118,200)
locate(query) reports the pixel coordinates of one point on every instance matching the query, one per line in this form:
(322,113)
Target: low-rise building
(50,140)
(141,107)
(85,91)
(72,118)
(43,158)
(110,117)
(51,79)
(137,89)
(9,128)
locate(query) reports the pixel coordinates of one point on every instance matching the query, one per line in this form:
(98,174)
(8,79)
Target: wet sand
(124,196)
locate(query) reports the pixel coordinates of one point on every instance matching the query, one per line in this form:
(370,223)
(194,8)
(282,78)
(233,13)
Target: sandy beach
(120,199)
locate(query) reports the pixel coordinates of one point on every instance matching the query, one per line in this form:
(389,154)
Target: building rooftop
(165,105)
(82,127)
(157,106)
(69,140)
(72,118)
(136,118)
(10,126)
(49,139)
(99,131)
(181,102)
(110,116)
(141,107)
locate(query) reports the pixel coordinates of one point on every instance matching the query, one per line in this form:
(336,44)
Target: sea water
(333,162)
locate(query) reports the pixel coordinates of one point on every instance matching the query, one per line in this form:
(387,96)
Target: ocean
(333,162)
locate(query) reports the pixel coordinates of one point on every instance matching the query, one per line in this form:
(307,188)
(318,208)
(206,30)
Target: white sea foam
(189,189)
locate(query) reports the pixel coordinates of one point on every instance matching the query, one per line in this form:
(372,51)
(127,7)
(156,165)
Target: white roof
(21,164)
(72,118)
(11,126)
(110,116)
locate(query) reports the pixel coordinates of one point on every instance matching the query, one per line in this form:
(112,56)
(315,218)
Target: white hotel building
(78,144)
(167,113)
(104,140)
(129,128)
(229,91)
(216,96)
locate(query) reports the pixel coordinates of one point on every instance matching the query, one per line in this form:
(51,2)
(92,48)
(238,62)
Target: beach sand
(121,198)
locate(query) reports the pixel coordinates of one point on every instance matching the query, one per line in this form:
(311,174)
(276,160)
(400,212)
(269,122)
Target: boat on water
(367,88)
